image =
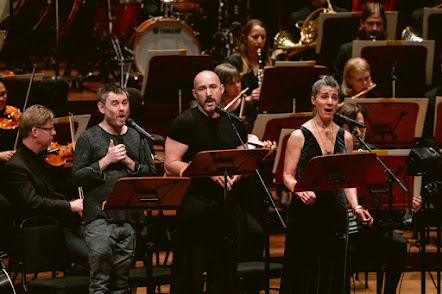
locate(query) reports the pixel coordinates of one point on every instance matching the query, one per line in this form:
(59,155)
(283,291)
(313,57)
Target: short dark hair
(351,110)
(226,72)
(110,88)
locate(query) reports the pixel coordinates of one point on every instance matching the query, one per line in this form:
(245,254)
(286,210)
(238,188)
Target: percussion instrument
(162,34)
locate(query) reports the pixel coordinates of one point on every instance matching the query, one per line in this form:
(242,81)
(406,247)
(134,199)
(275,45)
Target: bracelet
(356,208)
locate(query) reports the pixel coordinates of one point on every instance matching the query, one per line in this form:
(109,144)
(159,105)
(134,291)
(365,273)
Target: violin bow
(25,104)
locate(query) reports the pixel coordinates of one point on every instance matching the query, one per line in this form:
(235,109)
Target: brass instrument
(283,42)
(409,35)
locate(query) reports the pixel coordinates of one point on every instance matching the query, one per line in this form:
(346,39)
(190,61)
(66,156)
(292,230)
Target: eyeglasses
(3,94)
(46,129)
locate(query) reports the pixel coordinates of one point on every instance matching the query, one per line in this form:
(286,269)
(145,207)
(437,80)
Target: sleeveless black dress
(316,243)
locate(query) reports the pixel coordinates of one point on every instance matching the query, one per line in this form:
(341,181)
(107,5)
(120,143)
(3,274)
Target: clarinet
(260,67)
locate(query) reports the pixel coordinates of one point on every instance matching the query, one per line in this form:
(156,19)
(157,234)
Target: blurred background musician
(36,189)
(374,243)
(254,36)
(9,122)
(317,232)
(373,24)
(357,79)
(231,79)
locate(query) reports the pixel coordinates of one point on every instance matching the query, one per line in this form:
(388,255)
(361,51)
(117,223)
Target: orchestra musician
(373,24)
(7,137)
(378,243)
(103,154)
(356,80)
(317,233)
(248,64)
(201,225)
(231,79)
(36,189)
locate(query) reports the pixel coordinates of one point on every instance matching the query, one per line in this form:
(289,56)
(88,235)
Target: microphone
(229,114)
(350,122)
(139,129)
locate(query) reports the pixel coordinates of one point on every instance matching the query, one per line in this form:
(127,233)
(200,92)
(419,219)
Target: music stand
(335,30)
(398,65)
(147,193)
(286,88)
(437,128)
(228,162)
(337,171)
(169,88)
(393,122)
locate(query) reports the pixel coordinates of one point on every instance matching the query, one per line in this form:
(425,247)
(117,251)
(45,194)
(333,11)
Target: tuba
(283,42)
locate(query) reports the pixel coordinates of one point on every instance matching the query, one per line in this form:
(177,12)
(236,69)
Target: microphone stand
(393,79)
(270,202)
(391,178)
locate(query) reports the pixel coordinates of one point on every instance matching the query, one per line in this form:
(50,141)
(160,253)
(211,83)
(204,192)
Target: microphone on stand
(230,115)
(348,121)
(139,129)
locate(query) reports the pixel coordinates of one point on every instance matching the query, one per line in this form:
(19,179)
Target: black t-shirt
(201,133)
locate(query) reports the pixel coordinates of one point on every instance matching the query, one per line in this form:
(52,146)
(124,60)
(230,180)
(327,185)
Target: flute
(236,98)
(364,91)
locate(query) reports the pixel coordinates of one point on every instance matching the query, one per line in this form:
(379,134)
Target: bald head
(207,90)
(203,76)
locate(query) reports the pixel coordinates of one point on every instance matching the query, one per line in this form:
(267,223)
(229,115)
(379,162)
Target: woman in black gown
(317,235)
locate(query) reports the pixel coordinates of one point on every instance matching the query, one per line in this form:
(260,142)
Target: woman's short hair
(226,72)
(34,116)
(324,81)
(353,65)
(351,110)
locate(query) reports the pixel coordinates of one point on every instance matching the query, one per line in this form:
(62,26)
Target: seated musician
(248,64)
(356,80)
(231,79)
(375,243)
(7,137)
(36,189)
(373,23)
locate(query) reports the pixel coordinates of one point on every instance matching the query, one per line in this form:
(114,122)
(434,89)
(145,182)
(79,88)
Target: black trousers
(201,247)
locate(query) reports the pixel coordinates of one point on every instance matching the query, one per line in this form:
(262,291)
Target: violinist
(36,189)
(8,121)
(7,136)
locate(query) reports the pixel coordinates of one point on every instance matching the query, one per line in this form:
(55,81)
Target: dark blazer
(30,187)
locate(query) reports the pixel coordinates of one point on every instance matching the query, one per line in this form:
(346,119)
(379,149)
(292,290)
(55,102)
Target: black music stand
(400,68)
(334,31)
(169,88)
(228,162)
(333,172)
(147,193)
(283,84)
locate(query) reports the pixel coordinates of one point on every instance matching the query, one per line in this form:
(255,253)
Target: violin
(9,119)
(58,154)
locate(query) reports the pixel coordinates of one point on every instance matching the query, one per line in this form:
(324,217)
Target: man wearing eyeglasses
(36,189)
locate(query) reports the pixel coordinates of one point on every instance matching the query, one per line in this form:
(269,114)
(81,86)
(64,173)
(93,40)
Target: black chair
(251,275)
(42,248)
